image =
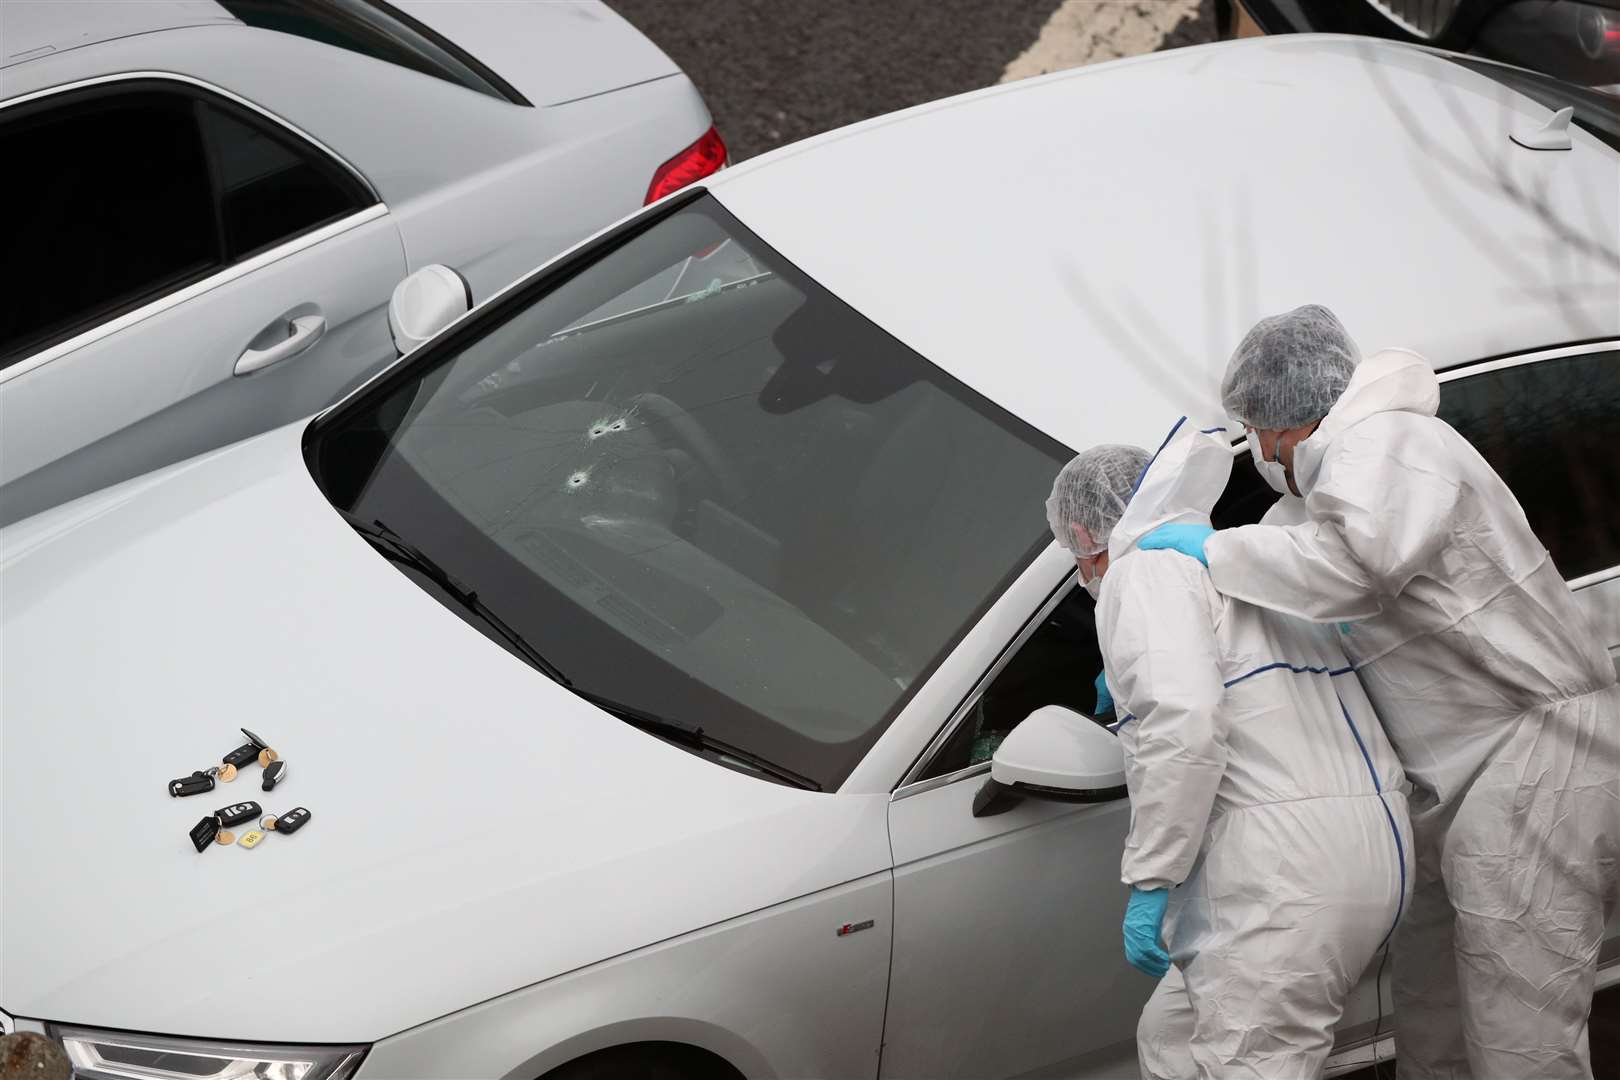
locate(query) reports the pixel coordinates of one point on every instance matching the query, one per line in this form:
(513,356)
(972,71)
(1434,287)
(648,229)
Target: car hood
(476,828)
(553,53)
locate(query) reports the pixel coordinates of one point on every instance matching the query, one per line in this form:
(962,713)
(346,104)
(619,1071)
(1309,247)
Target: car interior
(734,474)
(1059,662)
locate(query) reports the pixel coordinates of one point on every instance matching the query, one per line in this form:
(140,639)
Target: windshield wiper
(395,547)
(694,738)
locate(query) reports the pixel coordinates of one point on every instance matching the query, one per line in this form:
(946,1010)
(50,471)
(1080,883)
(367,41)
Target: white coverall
(1261,784)
(1498,697)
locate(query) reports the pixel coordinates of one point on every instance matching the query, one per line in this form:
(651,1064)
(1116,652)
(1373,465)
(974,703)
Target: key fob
(203,833)
(242,755)
(236,813)
(258,743)
(274,773)
(291,821)
(195,784)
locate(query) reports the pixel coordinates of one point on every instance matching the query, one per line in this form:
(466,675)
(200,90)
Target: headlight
(115,1055)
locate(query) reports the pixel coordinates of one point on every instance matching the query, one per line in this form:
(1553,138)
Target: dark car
(1576,40)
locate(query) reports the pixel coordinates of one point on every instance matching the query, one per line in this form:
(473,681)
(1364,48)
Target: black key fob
(292,820)
(203,833)
(195,784)
(242,755)
(236,813)
(258,743)
(274,773)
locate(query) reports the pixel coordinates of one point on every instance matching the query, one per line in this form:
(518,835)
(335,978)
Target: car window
(1059,662)
(1550,429)
(136,189)
(729,499)
(377,30)
(109,207)
(271,190)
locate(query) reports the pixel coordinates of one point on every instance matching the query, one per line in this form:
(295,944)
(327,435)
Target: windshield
(703,487)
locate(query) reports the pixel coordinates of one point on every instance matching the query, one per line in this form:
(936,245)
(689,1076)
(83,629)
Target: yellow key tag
(250,838)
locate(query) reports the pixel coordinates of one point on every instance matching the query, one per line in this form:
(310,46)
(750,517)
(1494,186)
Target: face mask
(1272,472)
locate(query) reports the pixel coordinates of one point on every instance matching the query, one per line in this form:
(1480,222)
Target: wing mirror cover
(426,302)
(1056,753)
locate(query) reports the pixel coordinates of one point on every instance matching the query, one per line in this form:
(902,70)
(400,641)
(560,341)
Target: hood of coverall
(1180,484)
(1393,380)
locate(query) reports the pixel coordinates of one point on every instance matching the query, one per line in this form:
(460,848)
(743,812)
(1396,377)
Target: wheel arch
(706,1041)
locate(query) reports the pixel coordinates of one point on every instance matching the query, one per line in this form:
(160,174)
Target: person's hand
(1105,700)
(1187,539)
(1144,918)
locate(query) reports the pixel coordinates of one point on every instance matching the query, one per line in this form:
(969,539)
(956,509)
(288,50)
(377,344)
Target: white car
(207,204)
(640,645)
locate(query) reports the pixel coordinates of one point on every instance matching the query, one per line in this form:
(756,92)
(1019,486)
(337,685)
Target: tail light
(702,158)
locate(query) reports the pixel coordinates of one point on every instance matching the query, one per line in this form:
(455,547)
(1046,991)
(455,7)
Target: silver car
(208,204)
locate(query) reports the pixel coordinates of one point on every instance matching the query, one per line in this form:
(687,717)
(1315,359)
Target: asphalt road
(774,72)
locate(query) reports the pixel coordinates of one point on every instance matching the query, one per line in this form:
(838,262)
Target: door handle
(302,332)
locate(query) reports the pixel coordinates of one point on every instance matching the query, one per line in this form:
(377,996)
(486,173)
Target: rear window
(377,30)
(701,485)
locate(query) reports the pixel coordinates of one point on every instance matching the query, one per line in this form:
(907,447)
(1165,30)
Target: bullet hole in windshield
(608,427)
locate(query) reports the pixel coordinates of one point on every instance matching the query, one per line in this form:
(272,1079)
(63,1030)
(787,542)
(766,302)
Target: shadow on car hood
(476,828)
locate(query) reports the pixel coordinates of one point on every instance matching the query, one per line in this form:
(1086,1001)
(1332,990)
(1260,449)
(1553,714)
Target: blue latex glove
(1105,700)
(1144,918)
(1187,539)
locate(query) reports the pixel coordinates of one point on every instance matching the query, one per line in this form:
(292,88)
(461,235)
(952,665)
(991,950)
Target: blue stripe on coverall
(1378,787)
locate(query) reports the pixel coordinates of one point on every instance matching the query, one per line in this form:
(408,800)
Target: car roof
(31,29)
(1087,248)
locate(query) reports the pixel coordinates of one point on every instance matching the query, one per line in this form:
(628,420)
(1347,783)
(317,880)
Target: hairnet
(1091,491)
(1289,369)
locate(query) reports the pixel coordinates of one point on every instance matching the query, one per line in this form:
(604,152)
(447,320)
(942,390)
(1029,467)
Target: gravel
(774,72)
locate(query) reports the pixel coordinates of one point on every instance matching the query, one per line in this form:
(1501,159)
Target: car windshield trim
(816,514)
(405,41)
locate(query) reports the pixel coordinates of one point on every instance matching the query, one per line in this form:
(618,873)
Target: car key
(236,813)
(274,773)
(292,820)
(203,833)
(242,755)
(195,784)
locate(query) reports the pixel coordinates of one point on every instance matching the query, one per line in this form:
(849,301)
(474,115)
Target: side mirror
(425,303)
(1054,754)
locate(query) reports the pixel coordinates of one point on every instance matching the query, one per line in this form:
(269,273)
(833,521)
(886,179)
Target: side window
(135,189)
(270,190)
(1059,662)
(376,29)
(1056,665)
(110,208)
(1550,429)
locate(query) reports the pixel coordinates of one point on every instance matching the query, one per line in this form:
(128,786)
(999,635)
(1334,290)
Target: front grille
(1425,18)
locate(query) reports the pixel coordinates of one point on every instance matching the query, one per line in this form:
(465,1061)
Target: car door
(1007,958)
(190,271)
(1549,424)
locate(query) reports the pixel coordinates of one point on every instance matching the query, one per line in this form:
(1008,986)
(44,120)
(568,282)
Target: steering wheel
(695,440)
